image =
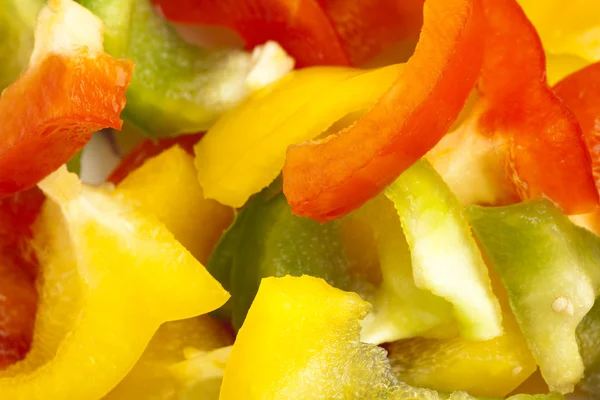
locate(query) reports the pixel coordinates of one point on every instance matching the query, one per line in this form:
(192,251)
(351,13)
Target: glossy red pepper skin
(51,111)
(327,179)
(581,93)
(18,272)
(300,26)
(546,152)
(150,148)
(367,27)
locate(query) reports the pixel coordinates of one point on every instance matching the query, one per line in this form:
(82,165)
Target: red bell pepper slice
(301,27)
(18,270)
(367,27)
(150,148)
(327,179)
(51,111)
(546,152)
(581,92)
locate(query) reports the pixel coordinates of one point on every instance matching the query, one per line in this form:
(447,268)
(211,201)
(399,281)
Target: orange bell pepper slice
(581,92)
(326,179)
(546,153)
(18,271)
(69,91)
(301,27)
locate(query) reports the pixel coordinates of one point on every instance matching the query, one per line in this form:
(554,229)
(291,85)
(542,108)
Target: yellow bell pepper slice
(167,186)
(110,276)
(299,107)
(183,359)
(300,341)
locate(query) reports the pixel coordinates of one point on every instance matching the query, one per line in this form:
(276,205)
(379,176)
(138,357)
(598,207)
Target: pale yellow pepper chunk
(300,341)
(167,186)
(110,276)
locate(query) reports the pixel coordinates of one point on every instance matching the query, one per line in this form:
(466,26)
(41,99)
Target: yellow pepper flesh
(105,268)
(298,337)
(167,187)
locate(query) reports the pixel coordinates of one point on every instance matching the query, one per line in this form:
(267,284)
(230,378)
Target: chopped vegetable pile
(309,199)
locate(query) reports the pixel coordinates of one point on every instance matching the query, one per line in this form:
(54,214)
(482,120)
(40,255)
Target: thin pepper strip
(581,93)
(301,27)
(546,153)
(70,90)
(327,179)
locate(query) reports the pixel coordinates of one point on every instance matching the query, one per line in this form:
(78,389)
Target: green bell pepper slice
(550,269)
(17,20)
(266,239)
(178,87)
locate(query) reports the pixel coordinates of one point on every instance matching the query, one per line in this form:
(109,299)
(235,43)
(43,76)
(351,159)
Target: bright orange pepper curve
(51,111)
(328,179)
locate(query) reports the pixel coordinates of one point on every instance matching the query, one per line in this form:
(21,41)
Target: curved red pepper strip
(51,111)
(18,270)
(327,179)
(300,26)
(150,148)
(581,92)
(366,27)
(546,152)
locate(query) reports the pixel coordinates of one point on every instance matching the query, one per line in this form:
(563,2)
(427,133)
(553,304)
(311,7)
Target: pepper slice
(588,332)
(581,93)
(70,90)
(546,153)
(105,268)
(328,179)
(178,87)
(301,27)
(432,218)
(17,21)
(165,185)
(301,341)
(549,268)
